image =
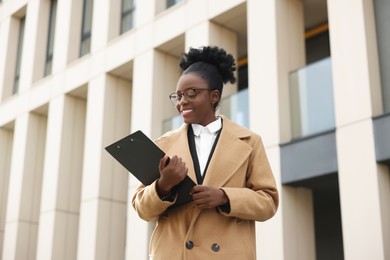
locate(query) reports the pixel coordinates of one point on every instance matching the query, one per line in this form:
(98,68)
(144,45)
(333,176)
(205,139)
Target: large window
(172,2)
(382,16)
(19,56)
(127,15)
(50,38)
(86,27)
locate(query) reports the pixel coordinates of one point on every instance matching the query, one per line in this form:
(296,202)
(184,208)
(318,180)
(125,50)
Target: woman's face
(197,107)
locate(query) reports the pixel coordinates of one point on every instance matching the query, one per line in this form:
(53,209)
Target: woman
(235,186)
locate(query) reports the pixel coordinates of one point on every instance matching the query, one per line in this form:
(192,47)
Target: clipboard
(141,157)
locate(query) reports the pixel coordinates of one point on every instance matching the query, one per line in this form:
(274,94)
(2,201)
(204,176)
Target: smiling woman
(235,187)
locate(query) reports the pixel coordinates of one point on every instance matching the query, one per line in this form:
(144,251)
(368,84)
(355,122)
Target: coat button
(215,247)
(189,244)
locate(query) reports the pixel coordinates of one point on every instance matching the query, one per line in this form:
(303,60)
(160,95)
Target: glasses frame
(176,97)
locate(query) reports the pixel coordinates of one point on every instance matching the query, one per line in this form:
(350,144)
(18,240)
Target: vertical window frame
(126,13)
(19,53)
(86,28)
(50,38)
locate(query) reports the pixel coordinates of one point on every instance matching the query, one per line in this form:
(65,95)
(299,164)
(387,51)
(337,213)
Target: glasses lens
(174,97)
(190,94)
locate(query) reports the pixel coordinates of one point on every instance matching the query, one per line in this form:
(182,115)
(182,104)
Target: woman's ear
(215,96)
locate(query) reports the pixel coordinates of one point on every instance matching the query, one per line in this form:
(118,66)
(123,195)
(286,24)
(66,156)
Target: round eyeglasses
(189,94)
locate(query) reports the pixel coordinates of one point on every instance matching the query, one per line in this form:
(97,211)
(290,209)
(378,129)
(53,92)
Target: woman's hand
(172,172)
(206,197)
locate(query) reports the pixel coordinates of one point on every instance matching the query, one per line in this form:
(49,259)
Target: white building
(76,76)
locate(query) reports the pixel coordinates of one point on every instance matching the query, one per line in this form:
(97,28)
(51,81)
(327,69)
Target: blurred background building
(75,76)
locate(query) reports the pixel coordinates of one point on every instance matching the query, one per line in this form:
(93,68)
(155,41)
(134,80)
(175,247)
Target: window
(382,16)
(19,56)
(127,15)
(172,2)
(317,43)
(86,27)
(50,38)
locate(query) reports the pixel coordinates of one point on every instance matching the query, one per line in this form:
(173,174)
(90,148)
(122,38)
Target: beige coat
(240,167)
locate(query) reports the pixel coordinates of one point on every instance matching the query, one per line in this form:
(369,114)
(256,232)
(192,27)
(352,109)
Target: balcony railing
(311,99)
(234,107)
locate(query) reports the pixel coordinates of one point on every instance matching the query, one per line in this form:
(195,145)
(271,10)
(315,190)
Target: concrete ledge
(382,138)
(309,157)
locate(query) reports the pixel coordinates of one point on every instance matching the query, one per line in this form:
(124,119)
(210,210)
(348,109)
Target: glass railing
(234,107)
(172,123)
(311,99)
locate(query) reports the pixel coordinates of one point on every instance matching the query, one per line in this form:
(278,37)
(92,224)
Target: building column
(357,98)
(8,49)
(146,10)
(102,227)
(209,33)
(21,224)
(273,52)
(145,82)
(35,43)
(105,23)
(60,203)
(154,78)
(6,137)
(67,33)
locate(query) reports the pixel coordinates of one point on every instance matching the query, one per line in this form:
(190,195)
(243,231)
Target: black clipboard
(141,157)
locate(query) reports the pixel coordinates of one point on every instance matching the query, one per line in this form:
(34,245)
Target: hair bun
(214,55)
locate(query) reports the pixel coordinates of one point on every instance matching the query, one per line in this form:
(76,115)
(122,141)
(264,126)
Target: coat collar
(230,152)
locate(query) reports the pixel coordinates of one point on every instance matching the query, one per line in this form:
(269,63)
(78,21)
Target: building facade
(75,76)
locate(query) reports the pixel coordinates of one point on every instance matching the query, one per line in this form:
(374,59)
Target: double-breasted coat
(240,167)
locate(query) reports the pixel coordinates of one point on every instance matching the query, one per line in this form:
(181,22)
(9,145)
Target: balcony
(311,99)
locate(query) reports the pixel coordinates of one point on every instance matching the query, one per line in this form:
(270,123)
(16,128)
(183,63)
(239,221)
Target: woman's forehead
(190,80)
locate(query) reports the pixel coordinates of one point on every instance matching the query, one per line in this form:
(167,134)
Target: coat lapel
(179,148)
(230,153)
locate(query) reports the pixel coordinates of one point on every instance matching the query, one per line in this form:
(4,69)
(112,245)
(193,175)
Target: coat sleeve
(147,203)
(258,199)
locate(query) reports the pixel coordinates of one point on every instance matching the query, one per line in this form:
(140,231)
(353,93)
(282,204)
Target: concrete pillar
(105,23)
(35,43)
(145,11)
(357,99)
(8,49)
(6,137)
(102,227)
(61,189)
(209,33)
(22,219)
(274,51)
(67,33)
(298,220)
(139,231)
(154,78)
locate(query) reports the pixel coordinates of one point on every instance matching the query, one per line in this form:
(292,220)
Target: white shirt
(204,140)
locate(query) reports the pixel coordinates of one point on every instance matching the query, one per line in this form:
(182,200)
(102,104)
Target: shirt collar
(213,127)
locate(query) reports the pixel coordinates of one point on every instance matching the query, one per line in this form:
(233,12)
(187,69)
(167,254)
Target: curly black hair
(214,55)
(212,64)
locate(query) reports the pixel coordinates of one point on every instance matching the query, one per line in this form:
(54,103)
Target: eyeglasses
(189,94)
